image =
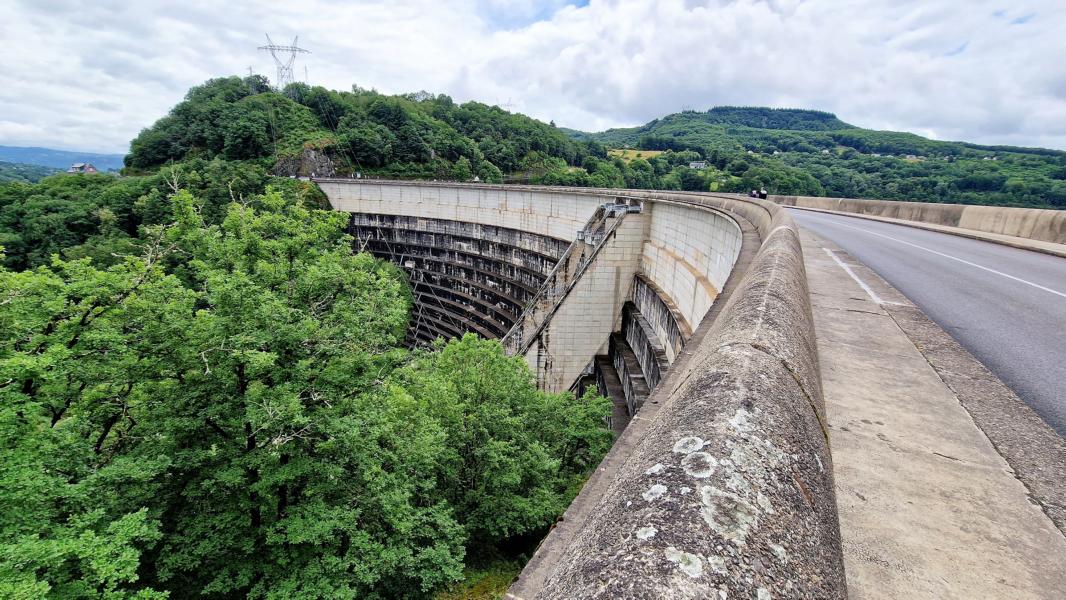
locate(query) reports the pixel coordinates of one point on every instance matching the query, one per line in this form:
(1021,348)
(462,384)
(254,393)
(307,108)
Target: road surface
(1006,306)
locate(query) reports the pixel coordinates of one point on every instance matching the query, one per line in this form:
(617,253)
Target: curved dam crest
(691,312)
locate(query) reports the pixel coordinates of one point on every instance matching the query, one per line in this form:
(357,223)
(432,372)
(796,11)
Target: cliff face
(311,162)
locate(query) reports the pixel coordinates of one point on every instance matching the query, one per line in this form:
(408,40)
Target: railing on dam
(559,280)
(723,486)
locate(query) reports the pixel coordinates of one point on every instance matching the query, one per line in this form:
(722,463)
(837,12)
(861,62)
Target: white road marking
(869,291)
(963,261)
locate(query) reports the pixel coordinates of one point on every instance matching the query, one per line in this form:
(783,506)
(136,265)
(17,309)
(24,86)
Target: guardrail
(567,269)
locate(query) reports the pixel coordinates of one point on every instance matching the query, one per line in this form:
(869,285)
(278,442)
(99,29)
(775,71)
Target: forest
(204,392)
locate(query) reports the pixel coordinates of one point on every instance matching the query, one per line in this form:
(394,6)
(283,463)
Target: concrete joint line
(795,376)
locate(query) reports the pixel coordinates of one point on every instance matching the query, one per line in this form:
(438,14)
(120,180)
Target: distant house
(699,165)
(82,168)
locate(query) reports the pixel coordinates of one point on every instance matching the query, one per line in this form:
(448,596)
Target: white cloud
(90,75)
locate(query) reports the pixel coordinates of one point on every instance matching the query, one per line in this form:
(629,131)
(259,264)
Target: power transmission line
(284,57)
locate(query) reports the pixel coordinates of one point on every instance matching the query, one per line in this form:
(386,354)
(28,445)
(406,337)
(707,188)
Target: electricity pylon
(284,62)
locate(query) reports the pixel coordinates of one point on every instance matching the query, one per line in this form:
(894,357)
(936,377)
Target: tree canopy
(203,393)
(413,135)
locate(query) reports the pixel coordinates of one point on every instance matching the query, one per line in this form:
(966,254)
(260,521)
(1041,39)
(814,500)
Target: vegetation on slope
(24,172)
(416,135)
(779,149)
(203,393)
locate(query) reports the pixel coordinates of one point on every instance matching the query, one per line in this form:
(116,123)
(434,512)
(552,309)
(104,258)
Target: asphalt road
(1006,306)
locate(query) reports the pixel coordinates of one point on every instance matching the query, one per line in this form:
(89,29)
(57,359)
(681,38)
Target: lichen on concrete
(655,469)
(646,533)
(687,563)
(688,444)
(699,465)
(654,492)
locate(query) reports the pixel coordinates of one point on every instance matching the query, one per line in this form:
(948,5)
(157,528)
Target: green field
(629,154)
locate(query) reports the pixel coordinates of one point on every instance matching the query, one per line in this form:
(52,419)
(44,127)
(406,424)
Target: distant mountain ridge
(757,117)
(59,159)
(783,149)
(784,129)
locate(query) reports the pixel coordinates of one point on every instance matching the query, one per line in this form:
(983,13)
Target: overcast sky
(89,75)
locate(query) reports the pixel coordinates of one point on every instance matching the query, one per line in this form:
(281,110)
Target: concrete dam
(691,312)
(551,274)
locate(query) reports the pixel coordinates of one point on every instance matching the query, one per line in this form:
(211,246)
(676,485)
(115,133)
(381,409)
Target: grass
(488,582)
(629,154)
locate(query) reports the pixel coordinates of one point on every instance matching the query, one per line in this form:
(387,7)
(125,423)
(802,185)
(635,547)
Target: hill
(751,147)
(308,130)
(23,172)
(314,130)
(59,159)
(725,118)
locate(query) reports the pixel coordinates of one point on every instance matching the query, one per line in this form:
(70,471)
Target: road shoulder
(921,436)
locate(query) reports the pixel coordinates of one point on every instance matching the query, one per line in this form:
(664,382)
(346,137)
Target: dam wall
(480,256)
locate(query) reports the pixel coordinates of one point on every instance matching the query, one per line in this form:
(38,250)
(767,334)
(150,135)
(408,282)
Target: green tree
(461,171)
(245,133)
(489,173)
(513,453)
(225,410)
(370,144)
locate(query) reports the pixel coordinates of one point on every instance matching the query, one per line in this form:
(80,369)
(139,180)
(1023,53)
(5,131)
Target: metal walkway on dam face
(692,312)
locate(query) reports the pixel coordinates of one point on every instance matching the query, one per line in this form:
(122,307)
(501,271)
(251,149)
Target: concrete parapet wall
(1029,223)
